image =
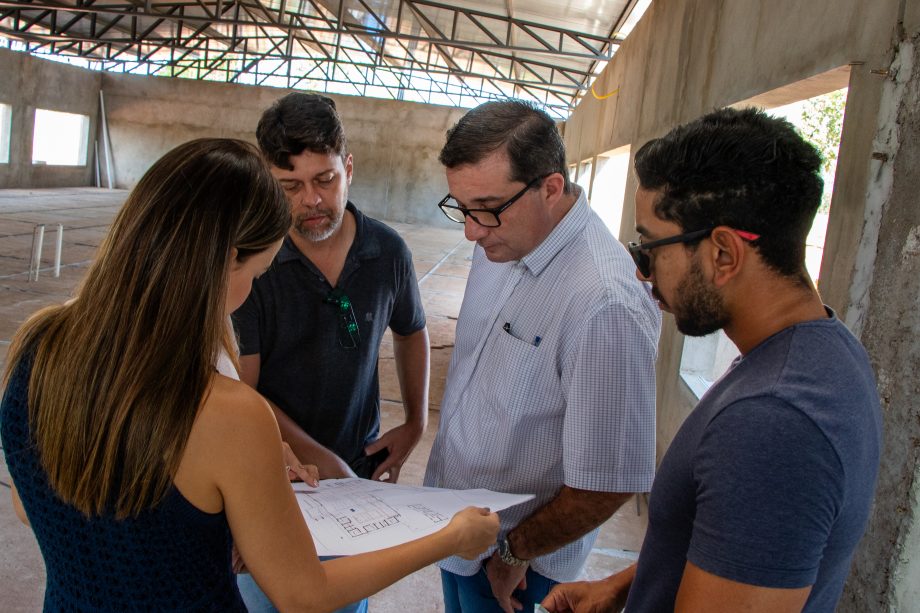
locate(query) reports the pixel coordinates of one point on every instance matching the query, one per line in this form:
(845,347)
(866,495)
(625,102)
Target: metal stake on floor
(57,250)
(38,241)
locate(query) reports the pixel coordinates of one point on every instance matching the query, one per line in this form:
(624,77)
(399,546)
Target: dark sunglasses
(349,334)
(639,251)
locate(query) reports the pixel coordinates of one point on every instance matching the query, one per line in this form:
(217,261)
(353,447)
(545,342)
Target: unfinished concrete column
(884,310)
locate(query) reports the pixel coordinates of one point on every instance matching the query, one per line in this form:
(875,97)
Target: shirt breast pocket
(519,379)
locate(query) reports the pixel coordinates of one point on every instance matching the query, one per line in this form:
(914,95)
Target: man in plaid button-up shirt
(551,387)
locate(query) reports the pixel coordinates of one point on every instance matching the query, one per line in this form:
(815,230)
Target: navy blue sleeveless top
(173,557)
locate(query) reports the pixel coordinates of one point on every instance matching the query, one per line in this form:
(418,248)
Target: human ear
(727,254)
(553,187)
(349,168)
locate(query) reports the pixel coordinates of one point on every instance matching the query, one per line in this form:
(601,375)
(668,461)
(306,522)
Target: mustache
(314,213)
(299,219)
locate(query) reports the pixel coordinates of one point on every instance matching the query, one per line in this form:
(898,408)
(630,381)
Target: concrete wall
(27,83)
(394,144)
(687,57)
(887,569)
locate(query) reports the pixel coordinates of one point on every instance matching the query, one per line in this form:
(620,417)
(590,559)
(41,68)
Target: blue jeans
(474,594)
(257,602)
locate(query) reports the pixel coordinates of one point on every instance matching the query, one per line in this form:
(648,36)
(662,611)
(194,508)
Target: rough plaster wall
(27,83)
(886,570)
(685,58)
(911,16)
(881,171)
(147,116)
(394,144)
(854,169)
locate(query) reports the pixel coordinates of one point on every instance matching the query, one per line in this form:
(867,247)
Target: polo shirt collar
(365,246)
(564,233)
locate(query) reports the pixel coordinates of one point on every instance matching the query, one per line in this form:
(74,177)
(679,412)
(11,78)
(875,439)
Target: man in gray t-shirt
(765,491)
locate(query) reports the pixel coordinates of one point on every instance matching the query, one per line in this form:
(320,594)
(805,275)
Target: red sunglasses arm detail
(748,236)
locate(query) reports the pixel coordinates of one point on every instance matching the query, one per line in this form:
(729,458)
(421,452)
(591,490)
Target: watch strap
(504,552)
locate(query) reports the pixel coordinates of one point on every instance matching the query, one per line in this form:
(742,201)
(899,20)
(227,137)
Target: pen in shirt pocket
(535,342)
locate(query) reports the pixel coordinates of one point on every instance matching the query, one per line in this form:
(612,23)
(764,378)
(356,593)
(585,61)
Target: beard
(321,232)
(701,309)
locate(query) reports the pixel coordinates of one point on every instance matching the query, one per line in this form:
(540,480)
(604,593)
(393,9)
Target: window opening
(584,176)
(6,115)
(60,139)
(609,189)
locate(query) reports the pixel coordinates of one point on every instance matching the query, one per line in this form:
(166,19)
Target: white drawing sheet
(350,516)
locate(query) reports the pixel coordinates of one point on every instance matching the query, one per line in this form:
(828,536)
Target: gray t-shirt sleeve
(408,313)
(769,489)
(246,323)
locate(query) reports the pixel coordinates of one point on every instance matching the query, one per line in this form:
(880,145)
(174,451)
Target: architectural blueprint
(349,516)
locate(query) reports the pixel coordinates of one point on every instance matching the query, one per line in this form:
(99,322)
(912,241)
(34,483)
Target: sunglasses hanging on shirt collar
(348,333)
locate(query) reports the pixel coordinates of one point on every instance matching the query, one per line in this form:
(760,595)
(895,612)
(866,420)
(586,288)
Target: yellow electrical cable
(605,96)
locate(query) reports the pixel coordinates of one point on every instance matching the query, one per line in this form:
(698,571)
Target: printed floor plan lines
(430,514)
(357,513)
(350,516)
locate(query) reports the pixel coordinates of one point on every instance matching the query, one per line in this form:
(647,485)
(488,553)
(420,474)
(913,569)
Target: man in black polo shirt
(310,331)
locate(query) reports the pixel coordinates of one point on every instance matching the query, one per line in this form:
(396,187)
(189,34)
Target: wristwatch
(504,552)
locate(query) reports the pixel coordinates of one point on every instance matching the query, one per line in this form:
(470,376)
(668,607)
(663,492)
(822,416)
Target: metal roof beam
(286,34)
(273,53)
(345,27)
(527,26)
(614,32)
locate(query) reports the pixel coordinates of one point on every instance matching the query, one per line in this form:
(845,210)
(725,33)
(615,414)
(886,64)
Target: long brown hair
(120,372)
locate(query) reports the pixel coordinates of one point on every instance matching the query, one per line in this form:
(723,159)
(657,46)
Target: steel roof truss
(283,34)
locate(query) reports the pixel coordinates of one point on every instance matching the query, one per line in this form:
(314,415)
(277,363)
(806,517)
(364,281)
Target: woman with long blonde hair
(133,460)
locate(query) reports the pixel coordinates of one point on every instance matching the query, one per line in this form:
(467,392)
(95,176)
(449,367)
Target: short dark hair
(529,136)
(743,169)
(297,123)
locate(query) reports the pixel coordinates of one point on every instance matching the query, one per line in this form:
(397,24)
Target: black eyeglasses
(484,217)
(639,251)
(349,334)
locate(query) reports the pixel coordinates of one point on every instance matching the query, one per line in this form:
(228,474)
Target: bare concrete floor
(441,257)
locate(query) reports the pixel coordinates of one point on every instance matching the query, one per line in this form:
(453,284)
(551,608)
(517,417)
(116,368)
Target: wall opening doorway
(6,125)
(60,139)
(609,189)
(583,178)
